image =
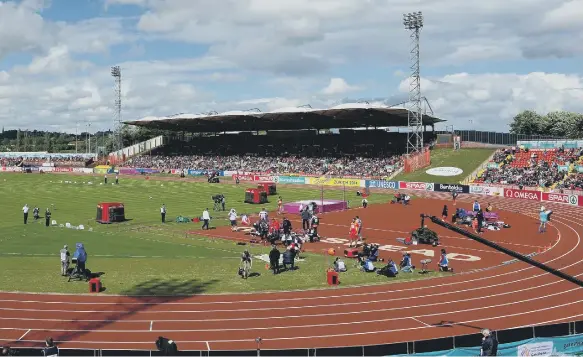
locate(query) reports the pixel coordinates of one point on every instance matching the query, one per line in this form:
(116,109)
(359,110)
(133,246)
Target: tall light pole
(117,138)
(414,23)
(88,139)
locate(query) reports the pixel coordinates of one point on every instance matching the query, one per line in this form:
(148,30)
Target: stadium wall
(571,198)
(546,340)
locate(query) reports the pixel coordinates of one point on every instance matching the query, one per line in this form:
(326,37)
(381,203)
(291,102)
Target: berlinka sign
(522,195)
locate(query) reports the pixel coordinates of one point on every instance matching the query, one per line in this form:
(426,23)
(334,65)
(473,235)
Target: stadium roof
(351,115)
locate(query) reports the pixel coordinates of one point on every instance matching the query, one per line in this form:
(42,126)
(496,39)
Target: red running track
(504,296)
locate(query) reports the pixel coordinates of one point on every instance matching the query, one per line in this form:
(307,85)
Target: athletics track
(501,297)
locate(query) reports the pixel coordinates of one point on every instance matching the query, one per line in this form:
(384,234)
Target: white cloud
(491,100)
(282,52)
(339,86)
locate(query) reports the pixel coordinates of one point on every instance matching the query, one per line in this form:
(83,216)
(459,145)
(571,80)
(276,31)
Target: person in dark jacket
(50,350)
(306,217)
(444,212)
(166,346)
(489,344)
(480,217)
(274,259)
(288,259)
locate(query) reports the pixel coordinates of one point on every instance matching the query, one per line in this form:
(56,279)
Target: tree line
(101,142)
(559,124)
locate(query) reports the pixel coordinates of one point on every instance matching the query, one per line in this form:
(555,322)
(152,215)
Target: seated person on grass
(339,265)
(367,266)
(406,263)
(288,259)
(389,270)
(374,253)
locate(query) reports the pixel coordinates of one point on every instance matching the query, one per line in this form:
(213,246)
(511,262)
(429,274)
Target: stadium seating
(549,168)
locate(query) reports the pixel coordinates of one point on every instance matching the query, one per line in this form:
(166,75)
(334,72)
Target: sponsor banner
(244,177)
(536,349)
(572,200)
(563,168)
(106,167)
(295,180)
(99,171)
(265,178)
(522,194)
(323,181)
(447,187)
(63,169)
(11,169)
(126,171)
(31,168)
(390,185)
(419,186)
(48,169)
(196,172)
(487,190)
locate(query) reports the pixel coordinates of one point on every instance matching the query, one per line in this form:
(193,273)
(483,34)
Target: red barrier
(563,198)
(417,161)
(522,194)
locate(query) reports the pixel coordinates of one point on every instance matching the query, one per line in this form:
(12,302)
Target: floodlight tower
(414,23)
(117,137)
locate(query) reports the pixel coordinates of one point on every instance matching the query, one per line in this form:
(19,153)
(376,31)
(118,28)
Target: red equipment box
(110,212)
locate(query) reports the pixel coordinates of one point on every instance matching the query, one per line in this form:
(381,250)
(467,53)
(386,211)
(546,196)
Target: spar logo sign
(418,186)
(522,195)
(572,200)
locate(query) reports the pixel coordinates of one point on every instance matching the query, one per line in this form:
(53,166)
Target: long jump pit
(487,290)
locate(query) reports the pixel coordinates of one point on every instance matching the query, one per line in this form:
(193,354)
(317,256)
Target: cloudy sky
(482,61)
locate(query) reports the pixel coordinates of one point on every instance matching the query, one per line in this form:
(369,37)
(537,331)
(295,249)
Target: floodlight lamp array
(115,71)
(413,20)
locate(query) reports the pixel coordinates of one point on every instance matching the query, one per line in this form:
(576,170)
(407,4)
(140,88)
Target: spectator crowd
(357,166)
(529,168)
(53,160)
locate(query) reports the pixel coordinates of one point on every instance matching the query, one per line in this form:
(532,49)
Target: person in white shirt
(163,213)
(25,212)
(233,219)
(406,199)
(206,217)
(65,256)
(364,203)
(339,266)
(263,215)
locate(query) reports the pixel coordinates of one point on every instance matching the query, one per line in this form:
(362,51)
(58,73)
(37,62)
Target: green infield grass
(466,159)
(143,256)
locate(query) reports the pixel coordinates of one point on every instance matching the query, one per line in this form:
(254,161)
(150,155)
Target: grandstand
(556,168)
(364,131)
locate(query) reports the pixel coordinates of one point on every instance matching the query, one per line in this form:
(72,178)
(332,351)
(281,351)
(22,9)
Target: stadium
(498,282)
(353,230)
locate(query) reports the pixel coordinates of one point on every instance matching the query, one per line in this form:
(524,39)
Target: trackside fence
(543,340)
